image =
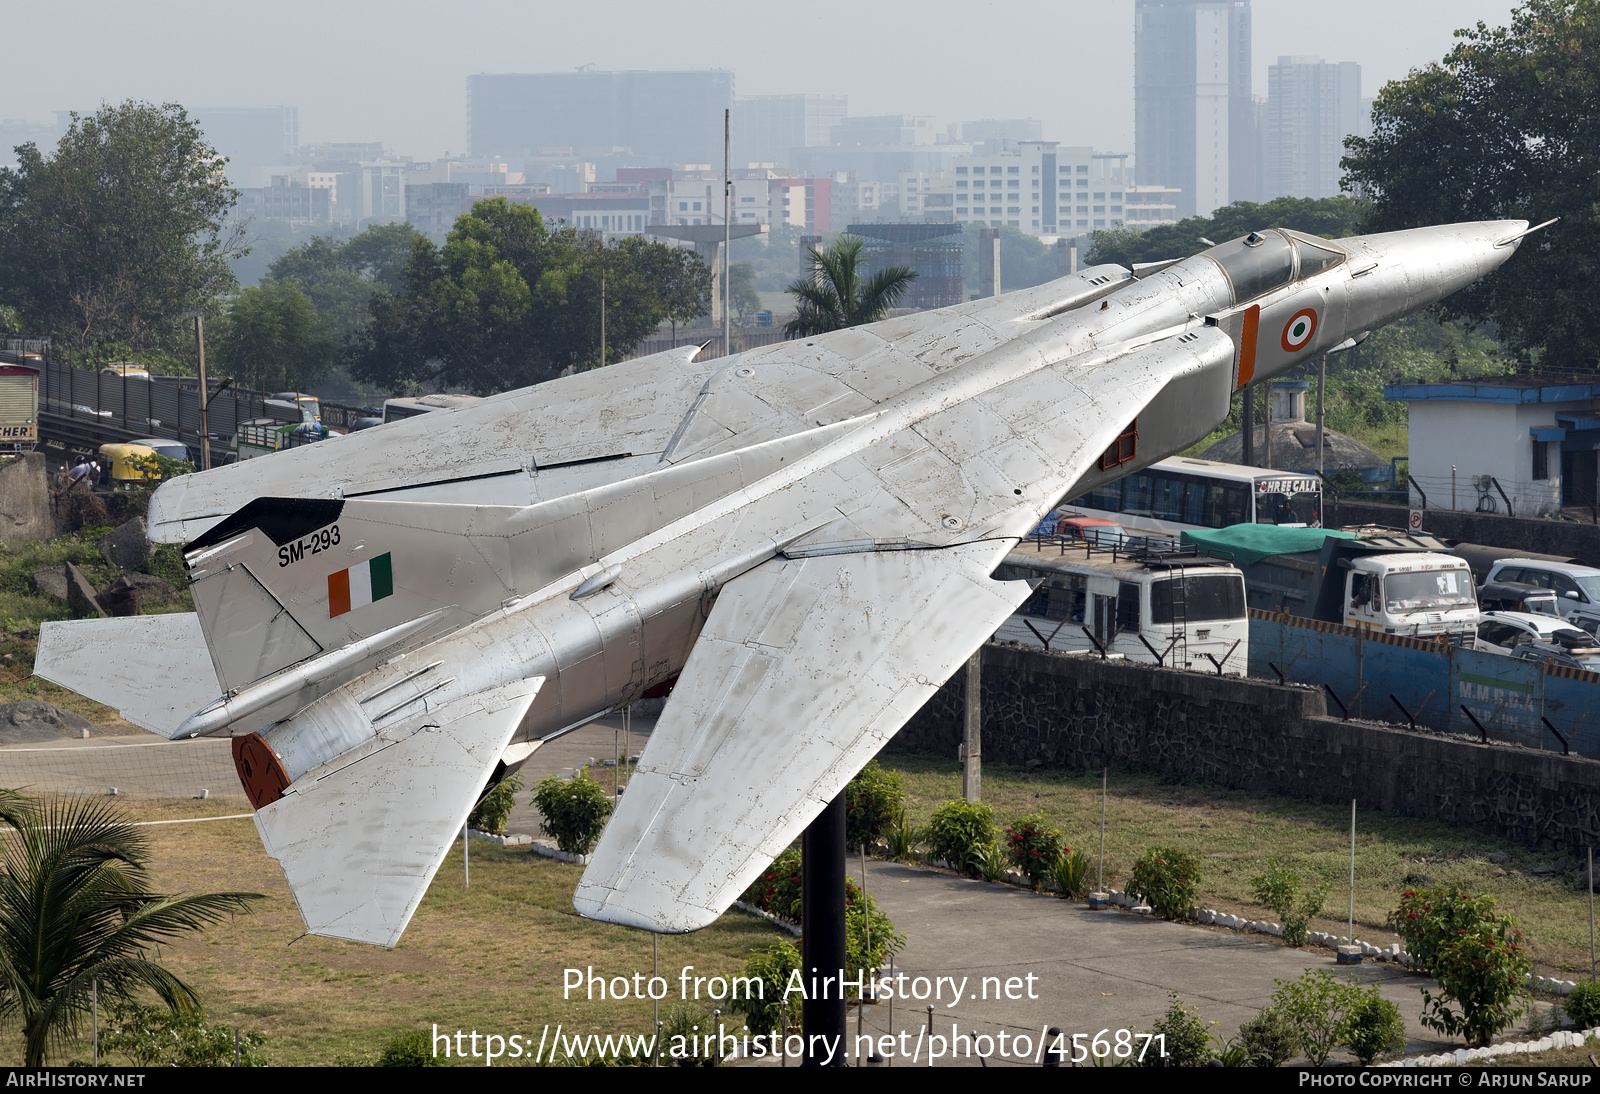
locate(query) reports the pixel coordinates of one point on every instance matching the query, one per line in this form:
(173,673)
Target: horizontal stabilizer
(153,669)
(360,839)
(803,671)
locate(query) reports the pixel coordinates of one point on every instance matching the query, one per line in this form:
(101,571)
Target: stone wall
(1077,712)
(1545,537)
(24,500)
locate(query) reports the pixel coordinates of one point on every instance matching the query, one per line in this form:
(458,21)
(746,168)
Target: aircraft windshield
(1256,264)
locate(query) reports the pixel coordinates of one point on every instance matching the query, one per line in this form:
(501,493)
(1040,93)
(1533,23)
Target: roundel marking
(1298,330)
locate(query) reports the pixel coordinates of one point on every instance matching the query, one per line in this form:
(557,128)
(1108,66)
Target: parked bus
(1179,494)
(396,409)
(1169,607)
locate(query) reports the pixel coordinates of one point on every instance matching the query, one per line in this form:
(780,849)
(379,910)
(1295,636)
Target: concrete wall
(1481,438)
(1548,537)
(1076,712)
(24,500)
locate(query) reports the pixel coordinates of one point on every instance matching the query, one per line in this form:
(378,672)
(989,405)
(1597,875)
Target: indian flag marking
(360,585)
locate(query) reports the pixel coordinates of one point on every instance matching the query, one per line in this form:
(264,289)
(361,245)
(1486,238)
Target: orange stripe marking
(338,593)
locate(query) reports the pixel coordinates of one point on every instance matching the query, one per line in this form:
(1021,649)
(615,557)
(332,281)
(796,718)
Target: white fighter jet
(802,535)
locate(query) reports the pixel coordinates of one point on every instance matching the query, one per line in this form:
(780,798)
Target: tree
(115,241)
(1326,217)
(1506,126)
(742,290)
(273,337)
(76,911)
(506,302)
(341,278)
(835,296)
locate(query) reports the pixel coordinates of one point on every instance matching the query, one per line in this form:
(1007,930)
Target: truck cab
(1422,594)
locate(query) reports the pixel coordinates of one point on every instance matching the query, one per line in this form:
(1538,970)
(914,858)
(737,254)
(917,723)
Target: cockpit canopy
(1263,261)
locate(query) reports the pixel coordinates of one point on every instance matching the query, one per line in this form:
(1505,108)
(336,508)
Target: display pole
(822,945)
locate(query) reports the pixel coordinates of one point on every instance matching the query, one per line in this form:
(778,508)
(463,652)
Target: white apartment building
(1042,188)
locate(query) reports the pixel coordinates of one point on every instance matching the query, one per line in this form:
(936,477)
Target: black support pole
(822,943)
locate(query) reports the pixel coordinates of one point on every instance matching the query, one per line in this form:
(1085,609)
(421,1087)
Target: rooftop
(1515,389)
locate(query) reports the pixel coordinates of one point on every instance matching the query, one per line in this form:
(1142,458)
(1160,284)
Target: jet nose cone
(1423,265)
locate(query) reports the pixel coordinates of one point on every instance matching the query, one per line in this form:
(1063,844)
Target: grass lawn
(1233,833)
(487,958)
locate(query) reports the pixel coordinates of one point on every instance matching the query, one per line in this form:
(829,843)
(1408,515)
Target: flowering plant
(1169,879)
(1034,846)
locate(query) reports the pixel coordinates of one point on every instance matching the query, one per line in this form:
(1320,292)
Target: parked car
(1576,587)
(1514,596)
(1503,632)
(1556,653)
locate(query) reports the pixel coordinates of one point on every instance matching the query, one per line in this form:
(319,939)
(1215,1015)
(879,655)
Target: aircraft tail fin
(151,668)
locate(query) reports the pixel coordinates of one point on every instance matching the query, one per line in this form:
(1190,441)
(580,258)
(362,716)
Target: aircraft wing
(360,839)
(803,671)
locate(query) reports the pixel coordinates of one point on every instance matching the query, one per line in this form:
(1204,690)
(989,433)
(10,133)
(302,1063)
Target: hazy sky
(395,71)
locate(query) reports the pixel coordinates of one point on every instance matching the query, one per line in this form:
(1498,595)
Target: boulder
(51,581)
(30,721)
(127,546)
(81,595)
(25,512)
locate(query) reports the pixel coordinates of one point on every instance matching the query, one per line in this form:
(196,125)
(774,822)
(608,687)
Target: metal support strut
(822,945)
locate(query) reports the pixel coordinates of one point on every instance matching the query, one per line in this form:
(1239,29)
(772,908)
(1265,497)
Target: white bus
(410,407)
(1180,493)
(1174,609)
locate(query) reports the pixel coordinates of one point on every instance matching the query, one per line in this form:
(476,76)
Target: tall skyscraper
(661,117)
(1194,123)
(1311,107)
(768,128)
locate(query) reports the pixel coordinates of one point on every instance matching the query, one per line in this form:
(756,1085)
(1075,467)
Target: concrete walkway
(1091,971)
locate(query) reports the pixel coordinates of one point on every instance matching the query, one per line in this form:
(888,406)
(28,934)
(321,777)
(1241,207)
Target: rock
(51,581)
(30,722)
(127,594)
(127,546)
(1418,879)
(1499,872)
(1499,858)
(81,595)
(25,512)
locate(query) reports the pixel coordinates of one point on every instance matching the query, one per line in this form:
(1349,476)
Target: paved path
(1092,970)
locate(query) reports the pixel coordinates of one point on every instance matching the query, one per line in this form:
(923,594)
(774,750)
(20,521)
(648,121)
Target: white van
(1577,588)
(1181,610)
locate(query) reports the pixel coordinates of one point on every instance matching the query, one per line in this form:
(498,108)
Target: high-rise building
(1311,107)
(1194,122)
(258,141)
(1042,188)
(768,128)
(664,117)
(1008,130)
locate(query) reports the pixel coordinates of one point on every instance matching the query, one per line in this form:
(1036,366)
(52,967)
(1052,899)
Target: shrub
(991,863)
(1071,872)
(574,811)
(960,831)
(1474,954)
(1583,1004)
(1035,847)
(414,1049)
(158,1037)
(772,968)
(777,889)
(1186,1040)
(1167,879)
(870,939)
(1279,889)
(491,813)
(1270,1038)
(873,801)
(684,1028)
(1374,1027)
(902,839)
(1318,1007)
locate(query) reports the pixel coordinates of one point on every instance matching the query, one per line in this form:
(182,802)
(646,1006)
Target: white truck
(1423,594)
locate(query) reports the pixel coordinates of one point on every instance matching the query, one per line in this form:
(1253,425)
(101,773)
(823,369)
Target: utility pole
(1322,380)
(727,225)
(205,417)
(602,303)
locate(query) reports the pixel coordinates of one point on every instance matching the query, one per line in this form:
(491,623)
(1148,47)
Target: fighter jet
(801,536)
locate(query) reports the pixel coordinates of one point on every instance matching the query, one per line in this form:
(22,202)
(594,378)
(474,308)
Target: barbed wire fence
(137,770)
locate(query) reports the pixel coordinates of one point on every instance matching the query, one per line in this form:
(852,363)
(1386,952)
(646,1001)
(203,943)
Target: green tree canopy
(1507,125)
(340,277)
(113,242)
(1326,217)
(273,337)
(507,302)
(836,295)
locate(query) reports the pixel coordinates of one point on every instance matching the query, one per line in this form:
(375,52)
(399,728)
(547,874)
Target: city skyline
(382,82)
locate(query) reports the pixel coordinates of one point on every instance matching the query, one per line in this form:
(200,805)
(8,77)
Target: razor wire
(120,767)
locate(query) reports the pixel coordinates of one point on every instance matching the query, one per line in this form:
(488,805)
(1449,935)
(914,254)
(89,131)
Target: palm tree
(835,296)
(76,911)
